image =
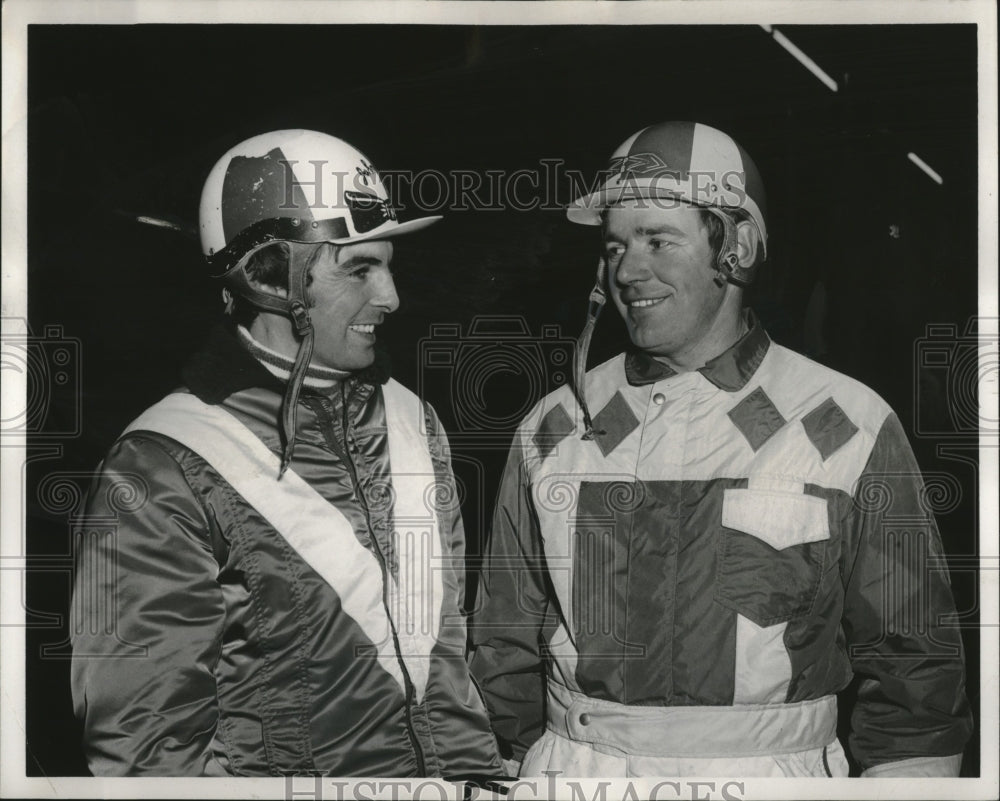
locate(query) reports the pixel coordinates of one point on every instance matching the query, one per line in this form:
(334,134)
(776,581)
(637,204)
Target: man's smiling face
(350,293)
(661,275)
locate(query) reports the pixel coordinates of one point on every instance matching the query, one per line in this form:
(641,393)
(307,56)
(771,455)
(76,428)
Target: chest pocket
(771,553)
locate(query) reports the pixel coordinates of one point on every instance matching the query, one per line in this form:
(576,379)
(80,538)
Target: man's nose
(631,267)
(385,296)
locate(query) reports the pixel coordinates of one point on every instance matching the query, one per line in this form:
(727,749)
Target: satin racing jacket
(687,592)
(233,624)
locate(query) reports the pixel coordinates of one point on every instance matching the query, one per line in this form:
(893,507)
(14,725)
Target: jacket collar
(730,370)
(224,366)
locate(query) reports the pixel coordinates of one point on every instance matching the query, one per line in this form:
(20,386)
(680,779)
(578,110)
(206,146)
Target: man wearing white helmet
(695,544)
(288,598)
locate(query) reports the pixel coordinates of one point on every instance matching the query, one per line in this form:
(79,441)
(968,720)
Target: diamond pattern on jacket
(613,423)
(828,428)
(554,428)
(756,418)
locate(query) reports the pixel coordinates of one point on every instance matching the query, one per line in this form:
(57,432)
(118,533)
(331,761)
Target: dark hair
(716,231)
(269,265)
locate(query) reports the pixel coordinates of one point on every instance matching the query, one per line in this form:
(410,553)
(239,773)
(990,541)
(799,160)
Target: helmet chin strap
(597,300)
(295,307)
(299,313)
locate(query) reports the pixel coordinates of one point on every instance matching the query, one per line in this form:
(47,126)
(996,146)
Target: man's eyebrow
(642,230)
(659,229)
(360,261)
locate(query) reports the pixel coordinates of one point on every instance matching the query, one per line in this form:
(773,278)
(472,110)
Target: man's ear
(747,242)
(269,289)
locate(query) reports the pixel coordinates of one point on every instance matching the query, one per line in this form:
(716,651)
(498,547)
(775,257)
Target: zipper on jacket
(418,751)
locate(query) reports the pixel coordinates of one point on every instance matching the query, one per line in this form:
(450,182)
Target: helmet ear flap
(237,282)
(727,262)
(293,305)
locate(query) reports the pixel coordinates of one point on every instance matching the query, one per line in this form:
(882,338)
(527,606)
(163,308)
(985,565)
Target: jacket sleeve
(449,510)
(513,616)
(463,740)
(912,717)
(149,618)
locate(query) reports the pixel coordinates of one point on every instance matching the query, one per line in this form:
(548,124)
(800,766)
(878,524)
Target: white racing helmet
(301,188)
(293,186)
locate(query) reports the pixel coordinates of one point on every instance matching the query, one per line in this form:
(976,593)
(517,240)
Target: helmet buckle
(300,317)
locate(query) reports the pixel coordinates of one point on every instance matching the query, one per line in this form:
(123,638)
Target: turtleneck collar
(280,366)
(224,365)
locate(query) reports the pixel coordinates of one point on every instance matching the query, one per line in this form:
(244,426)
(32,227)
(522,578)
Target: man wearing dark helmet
(686,545)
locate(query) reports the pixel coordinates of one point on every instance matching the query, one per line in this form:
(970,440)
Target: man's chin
(351,364)
(653,347)
(644,340)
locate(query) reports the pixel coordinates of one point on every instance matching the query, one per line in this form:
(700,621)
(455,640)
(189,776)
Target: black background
(127,120)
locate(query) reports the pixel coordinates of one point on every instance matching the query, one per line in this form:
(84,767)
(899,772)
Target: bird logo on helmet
(686,162)
(303,188)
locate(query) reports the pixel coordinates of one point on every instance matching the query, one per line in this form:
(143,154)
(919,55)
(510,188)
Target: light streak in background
(802,58)
(816,70)
(155,221)
(934,176)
